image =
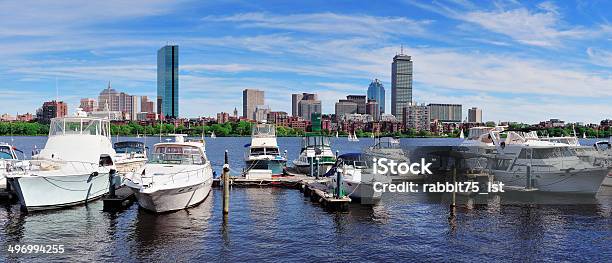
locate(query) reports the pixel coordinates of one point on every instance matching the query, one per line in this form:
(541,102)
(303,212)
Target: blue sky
(519,61)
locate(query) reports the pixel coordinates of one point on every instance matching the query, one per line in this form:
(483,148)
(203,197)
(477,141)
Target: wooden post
(528,177)
(318,169)
(226,182)
(338,184)
(311,166)
(453,205)
(111,183)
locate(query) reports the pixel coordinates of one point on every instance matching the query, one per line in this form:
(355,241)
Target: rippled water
(271,224)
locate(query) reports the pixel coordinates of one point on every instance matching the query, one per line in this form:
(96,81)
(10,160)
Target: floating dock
(310,186)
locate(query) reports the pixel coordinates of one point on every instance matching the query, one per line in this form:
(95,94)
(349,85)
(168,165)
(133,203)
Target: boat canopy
(263,130)
(79,125)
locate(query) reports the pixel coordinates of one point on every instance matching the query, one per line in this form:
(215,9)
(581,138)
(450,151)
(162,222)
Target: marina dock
(310,186)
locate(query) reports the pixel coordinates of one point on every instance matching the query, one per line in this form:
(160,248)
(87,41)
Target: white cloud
(329,23)
(600,57)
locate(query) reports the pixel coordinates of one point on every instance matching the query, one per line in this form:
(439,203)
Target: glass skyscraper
(168,81)
(376,91)
(401,84)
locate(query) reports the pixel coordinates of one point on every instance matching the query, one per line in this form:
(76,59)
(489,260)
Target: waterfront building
(475,115)
(344,107)
(373,109)
(251,98)
(51,109)
(361,102)
(261,113)
(376,91)
(168,81)
(295,102)
(388,118)
(88,104)
(108,114)
(25,117)
(445,112)
(401,84)
(278,117)
(416,117)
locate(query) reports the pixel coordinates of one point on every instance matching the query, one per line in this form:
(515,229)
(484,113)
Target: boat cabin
(79,125)
(171,153)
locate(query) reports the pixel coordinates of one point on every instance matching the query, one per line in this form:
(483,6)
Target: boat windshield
(546,153)
(178,154)
(264,151)
(263,130)
(87,126)
(5,153)
(388,143)
(316,141)
(129,147)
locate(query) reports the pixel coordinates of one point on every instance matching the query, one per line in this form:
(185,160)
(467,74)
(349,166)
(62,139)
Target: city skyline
(518,62)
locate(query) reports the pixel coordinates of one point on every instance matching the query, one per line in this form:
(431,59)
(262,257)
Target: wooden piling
(226,182)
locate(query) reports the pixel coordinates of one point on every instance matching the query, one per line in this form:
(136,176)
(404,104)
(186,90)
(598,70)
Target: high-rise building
(373,109)
(416,117)
(133,104)
(308,107)
(168,81)
(475,115)
(295,102)
(88,104)
(51,109)
(361,102)
(401,84)
(376,91)
(108,100)
(445,112)
(146,105)
(345,107)
(251,98)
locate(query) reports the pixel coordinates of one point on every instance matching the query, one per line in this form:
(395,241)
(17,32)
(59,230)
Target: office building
(51,109)
(261,113)
(401,84)
(222,117)
(295,102)
(361,102)
(376,91)
(168,81)
(88,104)
(475,115)
(146,105)
(373,109)
(308,107)
(445,112)
(416,117)
(345,107)
(251,98)
(280,118)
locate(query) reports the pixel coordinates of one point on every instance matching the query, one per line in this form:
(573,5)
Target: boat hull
(608,180)
(51,192)
(361,192)
(166,200)
(586,181)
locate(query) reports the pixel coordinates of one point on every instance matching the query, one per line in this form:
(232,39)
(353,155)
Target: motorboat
(73,167)
(357,178)
(178,176)
(262,155)
(130,156)
(8,160)
(478,147)
(604,148)
(315,150)
(522,160)
(389,148)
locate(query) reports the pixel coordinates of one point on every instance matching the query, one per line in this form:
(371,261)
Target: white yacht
(315,149)
(604,148)
(357,178)
(131,155)
(178,176)
(72,168)
(478,146)
(389,148)
(263,154)
(8,160)
(554,167)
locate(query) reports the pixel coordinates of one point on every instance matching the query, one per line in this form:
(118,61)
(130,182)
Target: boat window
(272,151)
(546,153)
(5,153)
(257,151)
(105,160)
(178,155)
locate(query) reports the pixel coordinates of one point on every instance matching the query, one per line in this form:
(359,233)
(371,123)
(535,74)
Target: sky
(517,61)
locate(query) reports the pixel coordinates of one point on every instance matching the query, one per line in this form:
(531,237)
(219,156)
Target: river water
(272,224)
